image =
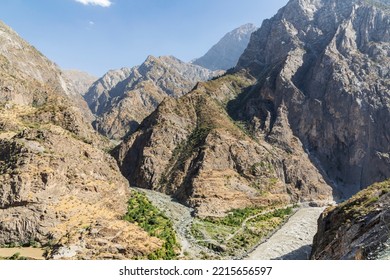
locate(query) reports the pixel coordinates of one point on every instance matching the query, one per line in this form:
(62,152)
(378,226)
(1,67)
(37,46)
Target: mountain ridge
(225,54)
(137,91)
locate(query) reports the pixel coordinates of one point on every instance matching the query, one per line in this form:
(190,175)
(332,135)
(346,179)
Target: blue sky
(111,34)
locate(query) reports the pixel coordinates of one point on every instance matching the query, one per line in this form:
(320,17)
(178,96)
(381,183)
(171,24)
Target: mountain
(191,149)
(323,68)
(357,228)
(307,107)
(58,188)
(20,61)
(79,81)
(98,95)
(225,54)
(121,99)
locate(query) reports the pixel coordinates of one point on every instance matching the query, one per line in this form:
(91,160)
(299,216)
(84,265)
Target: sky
(98,35)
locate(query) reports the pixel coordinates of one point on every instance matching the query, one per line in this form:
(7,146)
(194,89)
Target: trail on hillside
(292,241)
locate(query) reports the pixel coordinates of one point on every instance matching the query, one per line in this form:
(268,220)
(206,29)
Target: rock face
(323,68)
(98,95)
(57,187)
(225,54)
(356,229)
(123,98)
(20,61)
(190,148)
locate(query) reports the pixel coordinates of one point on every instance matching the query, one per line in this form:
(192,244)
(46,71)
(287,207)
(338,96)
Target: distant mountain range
(225,54)
(121,99)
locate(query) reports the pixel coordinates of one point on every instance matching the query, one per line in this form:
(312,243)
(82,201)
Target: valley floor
(293,240)
(31,253)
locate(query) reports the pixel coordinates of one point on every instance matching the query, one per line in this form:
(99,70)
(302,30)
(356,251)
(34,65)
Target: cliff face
(123,98)
(356,229)
(326,63)
(225,54)
(57,187)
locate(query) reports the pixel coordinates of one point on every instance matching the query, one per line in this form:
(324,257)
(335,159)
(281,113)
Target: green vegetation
(238,231)
(148,217)
(364,202)
(193,143)
(235,83)
(15,256)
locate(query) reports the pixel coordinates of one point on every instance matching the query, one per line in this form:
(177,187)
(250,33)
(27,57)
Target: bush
(148,217)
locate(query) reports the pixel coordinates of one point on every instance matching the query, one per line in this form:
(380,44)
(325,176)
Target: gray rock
(225,54)
(327,63)
(121,99)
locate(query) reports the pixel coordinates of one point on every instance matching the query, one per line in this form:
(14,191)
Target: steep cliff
(359,228)
(326,63)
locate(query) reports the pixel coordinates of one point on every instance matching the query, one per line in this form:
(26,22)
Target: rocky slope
(20,61)
(359,228)
(77,84)
(123,98)
(225,54)
(323,70)
(78,81)
(191,148)
(57,187)
(98,95)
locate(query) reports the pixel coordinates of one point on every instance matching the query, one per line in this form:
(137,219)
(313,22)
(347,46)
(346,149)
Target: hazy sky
(98,35)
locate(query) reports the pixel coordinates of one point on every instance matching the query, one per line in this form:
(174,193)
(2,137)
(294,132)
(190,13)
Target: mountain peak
(225,54)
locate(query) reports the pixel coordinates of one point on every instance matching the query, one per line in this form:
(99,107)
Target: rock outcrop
(357,229)
(225,54)
(58,187)
(323,68)
(123,98)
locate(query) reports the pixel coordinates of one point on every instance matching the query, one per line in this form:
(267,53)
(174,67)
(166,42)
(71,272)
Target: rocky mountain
(191,148)
(357,228)
(20,61)
(79,81)
(121,99)
(98,95)
(323,68)
(77,84)
(225,54)
(307,107)
(58,188)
